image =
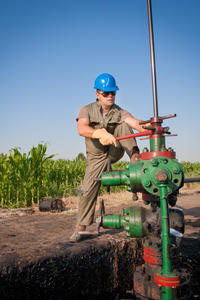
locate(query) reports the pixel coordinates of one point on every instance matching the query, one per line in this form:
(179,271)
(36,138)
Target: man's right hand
(105,138)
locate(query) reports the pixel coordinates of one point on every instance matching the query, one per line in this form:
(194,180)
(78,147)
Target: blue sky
(52,51)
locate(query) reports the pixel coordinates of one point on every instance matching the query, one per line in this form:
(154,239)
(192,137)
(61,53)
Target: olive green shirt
(92,112)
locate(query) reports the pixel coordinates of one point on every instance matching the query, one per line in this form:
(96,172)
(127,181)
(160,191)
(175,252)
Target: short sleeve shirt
(83,113)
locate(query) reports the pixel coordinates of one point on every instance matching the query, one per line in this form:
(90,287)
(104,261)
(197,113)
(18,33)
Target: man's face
(106,99)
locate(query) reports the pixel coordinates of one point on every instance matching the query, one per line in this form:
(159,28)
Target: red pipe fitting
(168,281)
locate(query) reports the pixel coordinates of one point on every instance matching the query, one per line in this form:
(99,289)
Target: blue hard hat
(105,82)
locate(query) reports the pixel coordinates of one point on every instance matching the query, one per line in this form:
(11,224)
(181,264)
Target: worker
(100,123)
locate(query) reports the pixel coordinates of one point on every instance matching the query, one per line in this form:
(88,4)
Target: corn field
(27,178)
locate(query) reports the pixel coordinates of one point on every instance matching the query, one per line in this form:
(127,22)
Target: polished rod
(153,68)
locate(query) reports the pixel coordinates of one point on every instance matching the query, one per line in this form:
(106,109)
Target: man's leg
(96,165)
(87,203)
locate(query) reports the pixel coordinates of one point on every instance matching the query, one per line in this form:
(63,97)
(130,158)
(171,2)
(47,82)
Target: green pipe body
(167,293)
(130,177)
(160,176)
(165,230)
(132,219)
(157,143)
(142,176)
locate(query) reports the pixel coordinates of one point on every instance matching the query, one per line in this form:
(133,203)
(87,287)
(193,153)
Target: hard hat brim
(107,89)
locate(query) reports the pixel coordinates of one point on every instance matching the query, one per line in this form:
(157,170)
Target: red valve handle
(147,132)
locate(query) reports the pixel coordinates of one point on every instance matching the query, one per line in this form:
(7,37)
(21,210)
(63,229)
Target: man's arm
(84,129)
(134,123)
(105,138)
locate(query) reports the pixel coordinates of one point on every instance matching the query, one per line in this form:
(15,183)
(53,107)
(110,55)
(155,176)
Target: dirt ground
(29,236)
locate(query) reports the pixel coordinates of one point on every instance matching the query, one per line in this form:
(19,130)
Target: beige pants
(97,159)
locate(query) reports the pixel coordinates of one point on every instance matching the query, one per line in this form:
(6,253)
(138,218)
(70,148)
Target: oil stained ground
(91,269)
(37,262)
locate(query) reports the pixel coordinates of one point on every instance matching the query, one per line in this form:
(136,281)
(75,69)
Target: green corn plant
(191,169)
(3,177)
(15,160)
(25,178)
(37,159)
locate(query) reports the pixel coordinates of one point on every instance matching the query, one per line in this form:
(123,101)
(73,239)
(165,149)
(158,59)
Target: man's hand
(147,125)
(105,138)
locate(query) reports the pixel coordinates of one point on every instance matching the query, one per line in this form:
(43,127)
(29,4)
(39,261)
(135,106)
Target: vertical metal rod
(153,68)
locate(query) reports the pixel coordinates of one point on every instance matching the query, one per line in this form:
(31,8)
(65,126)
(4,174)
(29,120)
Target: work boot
(135,196)
(76,237)
(135,157)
